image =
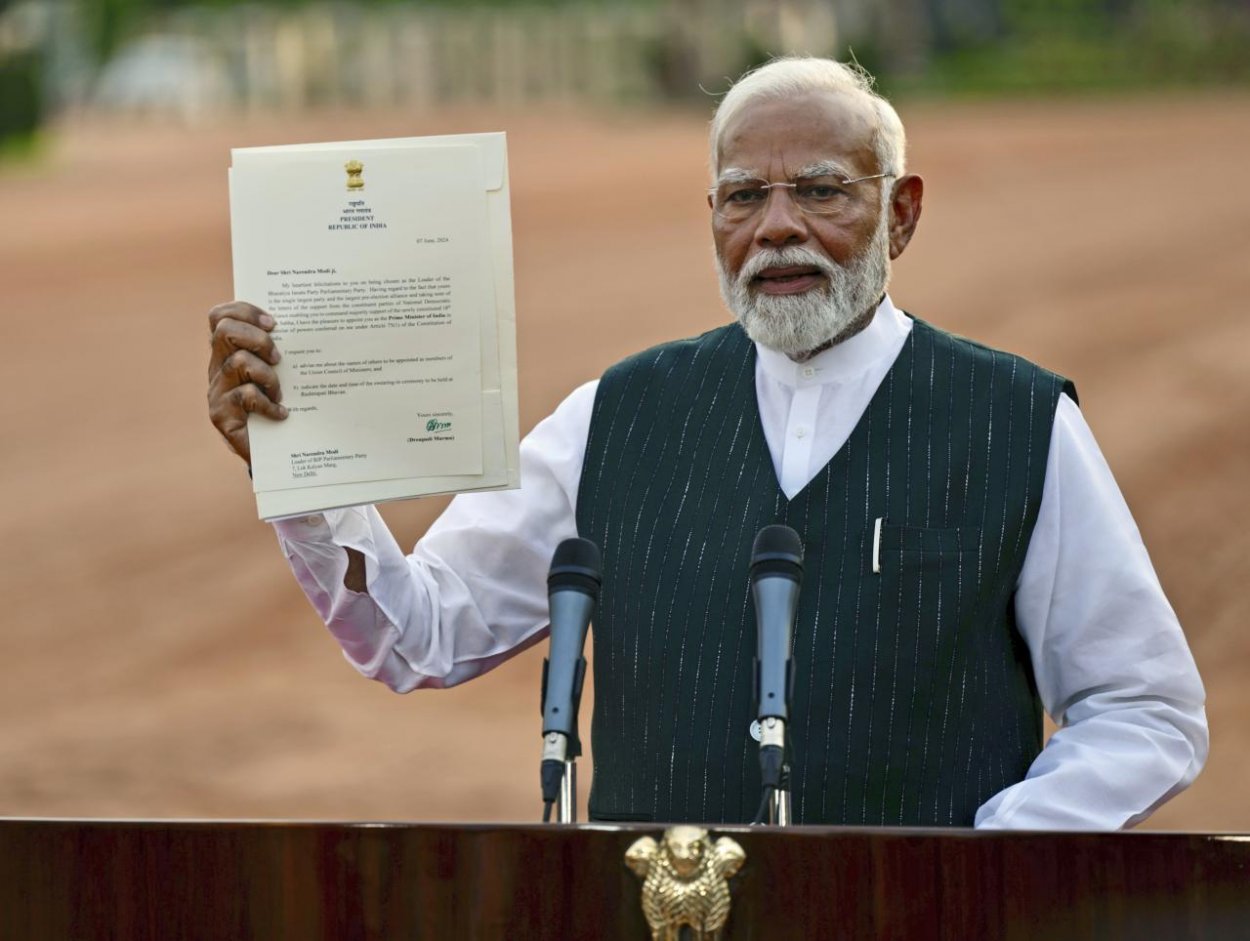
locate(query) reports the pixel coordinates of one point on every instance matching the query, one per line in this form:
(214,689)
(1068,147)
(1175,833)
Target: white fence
(258,57)
(398,55)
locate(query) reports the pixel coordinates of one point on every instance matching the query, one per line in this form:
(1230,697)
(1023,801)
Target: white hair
(796,75)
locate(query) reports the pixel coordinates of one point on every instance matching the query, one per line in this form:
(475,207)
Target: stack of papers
(387,265)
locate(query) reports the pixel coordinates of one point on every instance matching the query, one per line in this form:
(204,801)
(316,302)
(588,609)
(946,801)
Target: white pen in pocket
(876,545)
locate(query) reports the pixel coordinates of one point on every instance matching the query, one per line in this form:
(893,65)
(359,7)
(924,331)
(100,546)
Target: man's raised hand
(241,378)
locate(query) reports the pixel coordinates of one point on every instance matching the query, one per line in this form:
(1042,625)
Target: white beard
(798,323)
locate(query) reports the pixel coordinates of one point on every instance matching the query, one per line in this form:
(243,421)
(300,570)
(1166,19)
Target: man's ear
(904,212)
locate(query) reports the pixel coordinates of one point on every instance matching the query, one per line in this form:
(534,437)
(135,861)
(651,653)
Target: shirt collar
(844,360)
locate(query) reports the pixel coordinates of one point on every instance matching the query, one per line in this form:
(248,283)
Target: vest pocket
(922,557)
(923,540)
(923,576)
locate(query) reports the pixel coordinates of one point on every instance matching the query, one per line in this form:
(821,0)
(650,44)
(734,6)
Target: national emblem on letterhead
(355,181)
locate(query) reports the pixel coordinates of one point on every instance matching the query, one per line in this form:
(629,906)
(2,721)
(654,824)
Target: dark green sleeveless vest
(914,700)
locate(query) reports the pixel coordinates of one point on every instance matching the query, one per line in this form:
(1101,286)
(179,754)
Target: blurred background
(1085,206)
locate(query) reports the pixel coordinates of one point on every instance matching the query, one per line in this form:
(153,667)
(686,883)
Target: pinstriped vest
(914,698)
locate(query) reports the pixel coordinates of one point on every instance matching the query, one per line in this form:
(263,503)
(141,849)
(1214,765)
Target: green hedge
(21,95)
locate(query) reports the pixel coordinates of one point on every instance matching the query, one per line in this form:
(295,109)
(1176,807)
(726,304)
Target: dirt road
(157,660)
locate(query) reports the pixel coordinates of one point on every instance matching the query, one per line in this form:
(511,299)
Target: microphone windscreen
(577,565)
(778,550)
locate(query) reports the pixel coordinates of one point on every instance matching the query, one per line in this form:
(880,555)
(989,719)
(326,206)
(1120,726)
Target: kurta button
(800,432)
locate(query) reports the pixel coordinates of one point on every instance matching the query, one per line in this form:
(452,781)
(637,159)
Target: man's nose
(781,222)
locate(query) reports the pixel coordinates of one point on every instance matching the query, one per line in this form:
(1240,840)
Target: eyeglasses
(739,200)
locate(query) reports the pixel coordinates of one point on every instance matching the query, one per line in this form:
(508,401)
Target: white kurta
(1112,665)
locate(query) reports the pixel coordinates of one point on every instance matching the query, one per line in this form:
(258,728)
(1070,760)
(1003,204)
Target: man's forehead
(790,134)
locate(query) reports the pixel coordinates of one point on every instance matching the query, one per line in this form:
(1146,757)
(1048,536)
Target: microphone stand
(773,739)
(779,802)
(566,803)
(572,590)
(560,756)
(776,574)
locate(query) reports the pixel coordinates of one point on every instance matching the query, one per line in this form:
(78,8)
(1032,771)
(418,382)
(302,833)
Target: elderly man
(969,558)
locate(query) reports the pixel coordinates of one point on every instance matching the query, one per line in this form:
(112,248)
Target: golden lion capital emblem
(355,180)
(685,881)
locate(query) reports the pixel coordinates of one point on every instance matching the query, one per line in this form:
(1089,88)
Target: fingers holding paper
(241,378)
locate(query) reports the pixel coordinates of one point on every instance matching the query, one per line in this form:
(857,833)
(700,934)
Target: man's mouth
(790,280)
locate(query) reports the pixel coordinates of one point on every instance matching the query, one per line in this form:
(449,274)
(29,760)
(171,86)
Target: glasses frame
(769,187)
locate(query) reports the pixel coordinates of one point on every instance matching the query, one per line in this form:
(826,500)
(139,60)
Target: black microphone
(572,590)
(776,573)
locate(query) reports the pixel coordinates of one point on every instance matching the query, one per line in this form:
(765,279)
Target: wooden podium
(273,881)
